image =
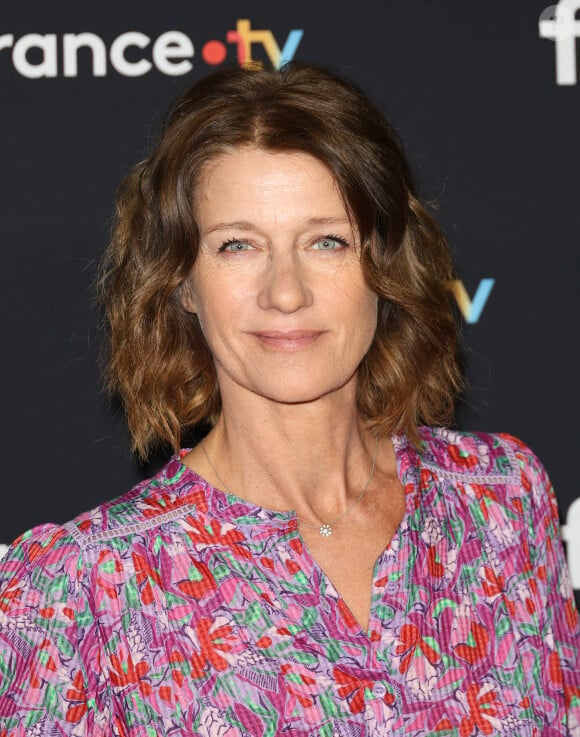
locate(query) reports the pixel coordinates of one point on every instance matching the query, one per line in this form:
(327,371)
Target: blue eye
(330,243)
(234,246)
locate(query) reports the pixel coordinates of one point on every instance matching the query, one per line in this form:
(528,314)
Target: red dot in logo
(214,52)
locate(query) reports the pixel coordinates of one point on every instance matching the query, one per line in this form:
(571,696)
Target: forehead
(273,185)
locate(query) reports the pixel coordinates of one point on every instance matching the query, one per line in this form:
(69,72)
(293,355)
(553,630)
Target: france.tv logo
(134,54)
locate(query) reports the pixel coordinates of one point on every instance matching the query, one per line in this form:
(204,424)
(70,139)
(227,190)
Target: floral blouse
(178,609)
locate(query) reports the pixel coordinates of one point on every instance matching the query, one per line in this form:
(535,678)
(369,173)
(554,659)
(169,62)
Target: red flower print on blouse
(124,672)
(36,549)
(77,710)
(484,493)
(462,458)
(201,535)
(436,568)
(494,584)
(478,650)
(481,702)
(200,584)
(352,686)
(162,504)
(110,576)
(211,644)
(411,639)
(11,595)
(144,573)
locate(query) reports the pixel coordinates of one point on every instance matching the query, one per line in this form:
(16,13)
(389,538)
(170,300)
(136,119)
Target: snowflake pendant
(325,530)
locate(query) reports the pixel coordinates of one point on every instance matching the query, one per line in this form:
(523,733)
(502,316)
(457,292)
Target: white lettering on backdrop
(36,55)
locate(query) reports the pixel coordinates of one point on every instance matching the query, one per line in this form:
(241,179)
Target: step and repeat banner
(486,100)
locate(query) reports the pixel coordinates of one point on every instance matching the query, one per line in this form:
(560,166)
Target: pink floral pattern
(177,609)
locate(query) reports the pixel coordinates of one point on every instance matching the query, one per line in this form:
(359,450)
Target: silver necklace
(325,529)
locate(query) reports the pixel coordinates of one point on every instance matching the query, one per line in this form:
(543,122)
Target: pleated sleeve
(554,602)
(50,658)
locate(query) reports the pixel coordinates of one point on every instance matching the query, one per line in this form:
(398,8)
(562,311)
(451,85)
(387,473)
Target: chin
(300,391)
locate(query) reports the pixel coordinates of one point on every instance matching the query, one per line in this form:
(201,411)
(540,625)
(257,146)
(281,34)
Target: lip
(287,340)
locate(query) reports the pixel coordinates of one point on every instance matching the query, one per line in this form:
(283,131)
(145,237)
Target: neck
(314,458)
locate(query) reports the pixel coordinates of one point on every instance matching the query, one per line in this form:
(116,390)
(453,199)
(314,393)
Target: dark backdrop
(489,127)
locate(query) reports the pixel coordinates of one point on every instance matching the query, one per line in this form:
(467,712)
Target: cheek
(358,315)
(369,309)
(205,294)
(221,313)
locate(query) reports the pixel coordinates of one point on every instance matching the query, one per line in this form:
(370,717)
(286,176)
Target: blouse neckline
(230,508)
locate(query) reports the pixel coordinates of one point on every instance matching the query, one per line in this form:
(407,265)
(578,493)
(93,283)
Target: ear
(187,296)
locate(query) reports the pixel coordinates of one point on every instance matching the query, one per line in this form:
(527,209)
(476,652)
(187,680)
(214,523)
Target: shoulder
(494,479)
(497,466)
(46,553)
(468,460)
(478,457)
(169,494)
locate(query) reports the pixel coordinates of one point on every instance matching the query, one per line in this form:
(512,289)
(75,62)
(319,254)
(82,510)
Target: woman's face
(277,284)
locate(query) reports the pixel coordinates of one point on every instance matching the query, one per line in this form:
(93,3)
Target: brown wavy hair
(157,358)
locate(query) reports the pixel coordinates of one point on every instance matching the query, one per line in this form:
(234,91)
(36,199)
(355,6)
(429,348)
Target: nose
(285,287)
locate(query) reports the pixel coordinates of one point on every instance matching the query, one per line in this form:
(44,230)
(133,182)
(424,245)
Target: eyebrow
(247,225)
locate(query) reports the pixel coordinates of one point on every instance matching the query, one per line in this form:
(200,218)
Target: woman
(324,562)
